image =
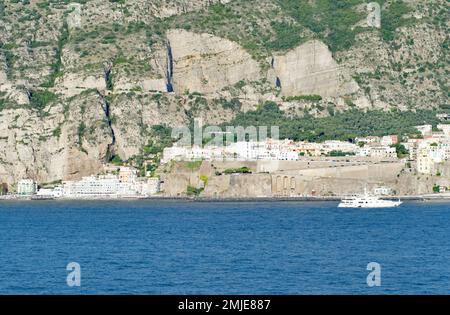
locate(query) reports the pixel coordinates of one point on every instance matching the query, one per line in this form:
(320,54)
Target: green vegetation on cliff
(292,22)
(192,191)
(345,125)
(401,150)
(56,66)
(393,19)
(240,170)
(39,99)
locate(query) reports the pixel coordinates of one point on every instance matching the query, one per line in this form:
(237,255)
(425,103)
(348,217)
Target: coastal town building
(432,150)
(445,129)
(370,139)
(304,148)
(412,146)
(272,150)
(93,186)
(382,191)
(338,146)
(123,183)
(389,140)
(425,130)
(150,186)
(378,151)
(443,116)
(425,163)
(26,187)
(127,174)
(381,152)
(428,152)
(282,150)
(56,192)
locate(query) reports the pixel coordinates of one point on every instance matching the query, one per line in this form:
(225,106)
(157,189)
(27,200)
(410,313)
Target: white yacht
(367,201)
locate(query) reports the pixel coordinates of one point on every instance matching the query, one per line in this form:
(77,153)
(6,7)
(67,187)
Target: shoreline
(424,198)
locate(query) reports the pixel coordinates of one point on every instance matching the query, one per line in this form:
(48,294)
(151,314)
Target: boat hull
(384,204)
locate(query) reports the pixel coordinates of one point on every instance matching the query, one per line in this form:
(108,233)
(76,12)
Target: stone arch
(286,184)
(293,185)
(278,185)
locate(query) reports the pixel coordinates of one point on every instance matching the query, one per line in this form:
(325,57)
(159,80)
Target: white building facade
(26,187)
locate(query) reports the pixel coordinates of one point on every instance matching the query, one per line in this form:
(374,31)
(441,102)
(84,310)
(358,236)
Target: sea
(188,247)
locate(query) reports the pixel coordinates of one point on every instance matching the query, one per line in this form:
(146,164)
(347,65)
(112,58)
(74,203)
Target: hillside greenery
(342,126)
(292,22)
(39,99)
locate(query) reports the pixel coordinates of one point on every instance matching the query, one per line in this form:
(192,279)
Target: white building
(269,150)
(445,129)
(364,151)
(150,186)
(412,146)
(370,139)
(308,148)
(425,164)
(26,187)
(56,192)
(102,186)
(174,152)
(445,147)
(153,186)
(383,152)
(425,130)
(105,185)
(378,152)
(444,116)
(430,153)
(127,174)
(241,150)
(124,184)
(389,140)
(342,146)
(382,191)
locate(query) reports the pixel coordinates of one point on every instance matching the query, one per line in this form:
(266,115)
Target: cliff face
(206,63)
(82,82)
(311,69)
(62,143)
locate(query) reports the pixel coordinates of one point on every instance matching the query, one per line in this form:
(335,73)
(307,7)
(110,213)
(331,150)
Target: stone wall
(328,181)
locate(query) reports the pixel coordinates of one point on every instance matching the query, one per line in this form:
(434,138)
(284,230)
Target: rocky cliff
(84,81)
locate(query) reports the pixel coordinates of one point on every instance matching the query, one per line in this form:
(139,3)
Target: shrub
(234,104)
(340,153)
(193,191)
(116,160)
(193,165)
(309,98)
(241,170)
(436,189)
(401,150)
(40,99)
(204,179)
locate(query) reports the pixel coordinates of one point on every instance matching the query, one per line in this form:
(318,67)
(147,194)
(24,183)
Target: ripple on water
(156,247)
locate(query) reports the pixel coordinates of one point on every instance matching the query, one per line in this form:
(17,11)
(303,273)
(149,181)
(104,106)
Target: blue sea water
(172,247)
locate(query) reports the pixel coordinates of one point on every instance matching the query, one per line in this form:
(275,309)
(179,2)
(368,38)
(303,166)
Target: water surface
(171,247)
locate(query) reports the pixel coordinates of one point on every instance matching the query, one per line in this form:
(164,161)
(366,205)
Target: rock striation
(205,63)
(311,69)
